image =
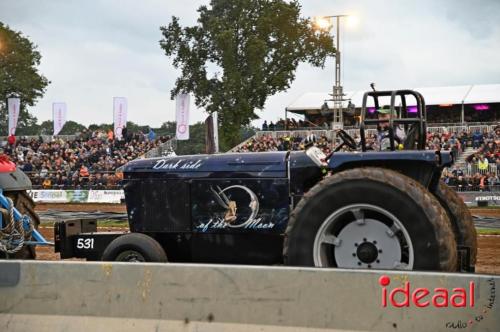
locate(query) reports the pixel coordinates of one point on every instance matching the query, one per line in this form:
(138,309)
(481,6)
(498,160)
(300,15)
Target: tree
(46,127)
(70,128)
(19,77)
(256,46)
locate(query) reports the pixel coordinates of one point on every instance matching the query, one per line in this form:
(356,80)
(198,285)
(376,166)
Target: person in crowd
(151,135)
(477,139)
(264,126)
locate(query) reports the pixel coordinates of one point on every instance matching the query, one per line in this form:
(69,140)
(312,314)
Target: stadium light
(325,23)
(322,23)
(352,21)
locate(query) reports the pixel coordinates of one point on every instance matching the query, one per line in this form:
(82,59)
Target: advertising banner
(475,198)
(182,116)
(119,115)
(105,196)
(14,105)
(77,196)
(48,196)
(58,116)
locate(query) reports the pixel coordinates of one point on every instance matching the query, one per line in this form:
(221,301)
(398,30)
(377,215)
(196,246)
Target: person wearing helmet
(383,139)
(309,140)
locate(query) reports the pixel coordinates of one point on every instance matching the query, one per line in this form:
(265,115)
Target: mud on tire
(424,220)
(462,223)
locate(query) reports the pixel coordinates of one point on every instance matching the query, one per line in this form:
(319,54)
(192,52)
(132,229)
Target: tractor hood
(261,164)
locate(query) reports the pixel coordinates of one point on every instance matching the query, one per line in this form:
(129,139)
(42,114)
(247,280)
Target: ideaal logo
(423,297)
(459,297)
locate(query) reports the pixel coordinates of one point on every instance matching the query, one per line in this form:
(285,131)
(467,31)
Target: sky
(95,50)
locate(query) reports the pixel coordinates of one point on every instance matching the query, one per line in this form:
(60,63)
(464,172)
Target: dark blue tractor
(353,209)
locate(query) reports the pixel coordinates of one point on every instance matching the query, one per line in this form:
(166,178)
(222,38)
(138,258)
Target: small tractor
(351,209)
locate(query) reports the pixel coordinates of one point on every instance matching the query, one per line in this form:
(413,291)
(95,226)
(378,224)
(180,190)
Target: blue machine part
(37,237)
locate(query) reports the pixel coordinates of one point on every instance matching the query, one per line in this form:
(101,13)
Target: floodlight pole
(338,95)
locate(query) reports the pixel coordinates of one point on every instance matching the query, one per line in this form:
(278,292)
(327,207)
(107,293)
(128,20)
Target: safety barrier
(62,296)
(473,169)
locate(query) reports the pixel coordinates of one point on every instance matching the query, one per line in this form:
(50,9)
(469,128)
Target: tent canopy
(311,102)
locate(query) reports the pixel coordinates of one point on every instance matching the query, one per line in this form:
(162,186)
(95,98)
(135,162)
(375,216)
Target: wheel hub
(130,256)
(367,252)
(378,240)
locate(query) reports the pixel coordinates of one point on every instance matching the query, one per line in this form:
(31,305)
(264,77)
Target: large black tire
(419,212)
(134,247)
(25,205)
(462,223)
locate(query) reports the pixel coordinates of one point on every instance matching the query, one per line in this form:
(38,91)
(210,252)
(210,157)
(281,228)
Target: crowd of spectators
(482,167)
(88,161)
(314,122)
(285,143)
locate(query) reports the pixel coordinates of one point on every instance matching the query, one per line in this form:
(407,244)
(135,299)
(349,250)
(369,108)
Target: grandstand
(85,161)
(448,105)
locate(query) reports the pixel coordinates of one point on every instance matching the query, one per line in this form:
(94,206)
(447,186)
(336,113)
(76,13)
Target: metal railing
(435,128)
(162,149)
(472,169)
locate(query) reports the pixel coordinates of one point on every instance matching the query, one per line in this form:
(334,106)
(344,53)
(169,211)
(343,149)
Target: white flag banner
(14,105)
(182,116)
(216,131)
(58,116)
(119,115)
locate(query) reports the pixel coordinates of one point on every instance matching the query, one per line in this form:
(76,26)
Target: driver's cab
(410,118)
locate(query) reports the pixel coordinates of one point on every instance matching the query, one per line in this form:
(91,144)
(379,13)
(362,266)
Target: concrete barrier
(81,296)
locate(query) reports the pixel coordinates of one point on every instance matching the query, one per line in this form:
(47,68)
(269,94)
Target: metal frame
(393,122)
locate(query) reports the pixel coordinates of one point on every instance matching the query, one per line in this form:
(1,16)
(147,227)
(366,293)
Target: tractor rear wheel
(25,205)
(370,218)
(134,247)
(463,226)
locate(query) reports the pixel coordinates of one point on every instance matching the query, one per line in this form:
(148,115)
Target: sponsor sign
(58,116)
(119,115)
(472,198)
(182,116)
(105,196)
(14,105)
(474,309)
(77,196)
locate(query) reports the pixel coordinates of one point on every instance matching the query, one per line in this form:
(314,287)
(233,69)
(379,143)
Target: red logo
(421,297)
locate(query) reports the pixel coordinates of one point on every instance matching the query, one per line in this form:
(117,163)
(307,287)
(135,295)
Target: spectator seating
(87,161)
